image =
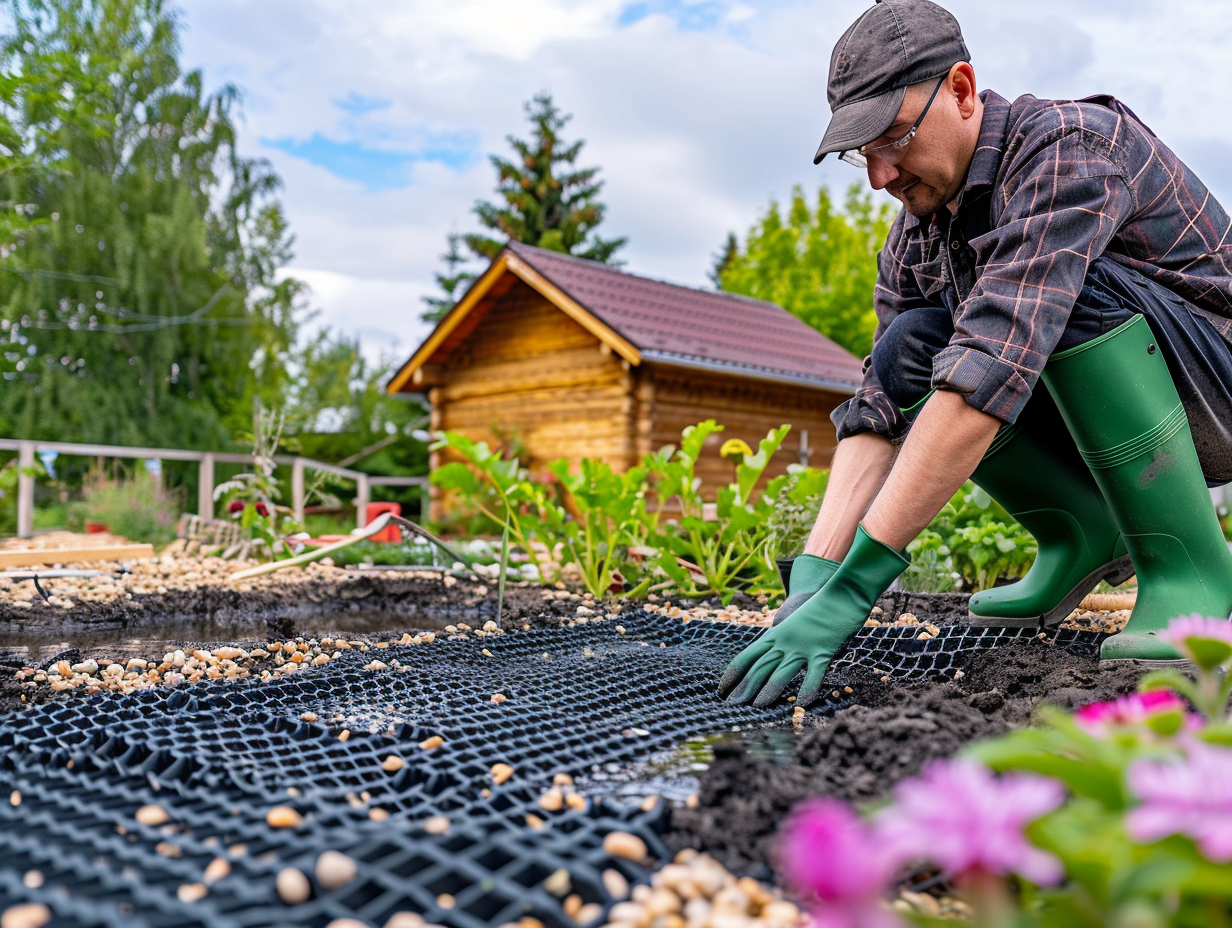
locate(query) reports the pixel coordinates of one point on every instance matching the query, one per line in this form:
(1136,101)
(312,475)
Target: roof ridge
(518,247)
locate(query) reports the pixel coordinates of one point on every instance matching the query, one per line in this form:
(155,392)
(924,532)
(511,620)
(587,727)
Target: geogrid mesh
(217,756)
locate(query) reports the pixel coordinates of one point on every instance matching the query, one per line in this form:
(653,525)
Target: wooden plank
(28,557)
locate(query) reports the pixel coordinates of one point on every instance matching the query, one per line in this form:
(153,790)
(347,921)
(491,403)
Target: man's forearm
(942,450)
(857,472)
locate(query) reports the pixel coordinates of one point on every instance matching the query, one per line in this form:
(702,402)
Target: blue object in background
(49,461)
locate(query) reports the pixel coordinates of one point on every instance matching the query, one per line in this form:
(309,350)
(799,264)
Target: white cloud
(697,111)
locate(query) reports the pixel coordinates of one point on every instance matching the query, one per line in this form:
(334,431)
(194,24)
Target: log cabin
(578,359)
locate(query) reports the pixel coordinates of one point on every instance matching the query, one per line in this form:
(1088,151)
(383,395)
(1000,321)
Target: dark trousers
(1199,360)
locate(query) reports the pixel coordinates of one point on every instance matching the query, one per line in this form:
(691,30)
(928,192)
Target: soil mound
(860,752)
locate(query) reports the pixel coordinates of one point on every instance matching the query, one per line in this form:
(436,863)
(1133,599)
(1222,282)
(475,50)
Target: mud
(862,751)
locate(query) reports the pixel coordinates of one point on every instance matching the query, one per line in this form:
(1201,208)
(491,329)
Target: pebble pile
(169,574)
(191,665)
(695,891)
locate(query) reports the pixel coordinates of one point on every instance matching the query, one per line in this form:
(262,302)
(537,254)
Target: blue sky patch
(690,17)
(377,168)
(357,104)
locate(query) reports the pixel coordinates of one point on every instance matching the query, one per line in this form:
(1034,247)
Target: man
(1054,306)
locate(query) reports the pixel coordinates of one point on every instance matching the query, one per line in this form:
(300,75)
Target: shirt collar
(988,148)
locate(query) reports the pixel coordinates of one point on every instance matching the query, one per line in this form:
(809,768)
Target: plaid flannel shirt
(1053,185)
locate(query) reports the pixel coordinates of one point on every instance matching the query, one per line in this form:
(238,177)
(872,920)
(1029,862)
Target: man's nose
(881,173)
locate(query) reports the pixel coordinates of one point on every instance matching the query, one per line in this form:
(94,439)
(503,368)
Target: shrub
(138,508)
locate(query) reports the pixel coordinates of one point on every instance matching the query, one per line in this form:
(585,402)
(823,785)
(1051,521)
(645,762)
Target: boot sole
(1181,664)
(1115,572)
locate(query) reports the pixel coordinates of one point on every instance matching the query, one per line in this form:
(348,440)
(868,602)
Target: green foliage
(10,472)
(142,305)
(338,411)
(546,202)
(542,200)
(794,499)
(453,281)
(970,544)
(1113,878)
(819,263)
(141,298)
(598,527)
(137,508)
(730,550)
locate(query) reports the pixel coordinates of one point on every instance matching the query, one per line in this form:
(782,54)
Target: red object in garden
(235,506)
(97,528)
(391,533)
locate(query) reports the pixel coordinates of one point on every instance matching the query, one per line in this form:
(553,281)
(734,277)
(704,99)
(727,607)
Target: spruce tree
(546,202)
(727,254)
(453,282)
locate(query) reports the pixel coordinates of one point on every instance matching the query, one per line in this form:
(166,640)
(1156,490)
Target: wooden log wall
(670,399)
(531,373)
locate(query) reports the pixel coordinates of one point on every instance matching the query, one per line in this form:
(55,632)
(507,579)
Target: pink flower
(1190,795)
(1205,641)
(961,816)
(1197,626)
(830,854)
(1128,710)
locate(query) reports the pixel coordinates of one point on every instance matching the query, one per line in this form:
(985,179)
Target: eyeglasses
(891,152)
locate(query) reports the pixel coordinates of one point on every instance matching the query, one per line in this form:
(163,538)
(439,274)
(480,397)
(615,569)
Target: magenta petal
(983,830)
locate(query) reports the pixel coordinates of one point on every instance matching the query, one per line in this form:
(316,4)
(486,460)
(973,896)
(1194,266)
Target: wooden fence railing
(27,449)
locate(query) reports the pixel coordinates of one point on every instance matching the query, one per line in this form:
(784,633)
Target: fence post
(25,490)
(205,486)
(297,490)
(362,496)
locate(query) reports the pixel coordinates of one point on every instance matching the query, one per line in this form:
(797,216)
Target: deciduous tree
(143,304)
(819,263)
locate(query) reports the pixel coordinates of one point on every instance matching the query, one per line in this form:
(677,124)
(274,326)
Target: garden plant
(1120,814)
(656,528)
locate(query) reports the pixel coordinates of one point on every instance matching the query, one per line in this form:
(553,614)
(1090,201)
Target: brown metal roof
(683,326)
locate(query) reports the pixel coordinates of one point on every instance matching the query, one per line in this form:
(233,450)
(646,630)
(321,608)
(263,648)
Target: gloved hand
(813,633)
(809,574)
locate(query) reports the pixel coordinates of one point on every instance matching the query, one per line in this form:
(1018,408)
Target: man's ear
(962,83)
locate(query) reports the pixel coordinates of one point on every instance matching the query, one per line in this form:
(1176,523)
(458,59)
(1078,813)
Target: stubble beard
(921,200)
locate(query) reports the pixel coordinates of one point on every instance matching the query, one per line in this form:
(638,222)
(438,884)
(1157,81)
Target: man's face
(933,167)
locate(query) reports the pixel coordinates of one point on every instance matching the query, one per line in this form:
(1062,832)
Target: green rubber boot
(806,575)
(1120,404)
(1034,470)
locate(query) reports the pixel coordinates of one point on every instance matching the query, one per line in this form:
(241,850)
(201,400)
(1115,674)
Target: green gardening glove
(809,574)
(813,633)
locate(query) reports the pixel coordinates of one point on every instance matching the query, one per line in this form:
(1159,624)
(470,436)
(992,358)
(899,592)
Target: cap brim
(859,123)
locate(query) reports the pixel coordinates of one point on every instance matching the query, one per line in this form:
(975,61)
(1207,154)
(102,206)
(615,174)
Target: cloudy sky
(379,116)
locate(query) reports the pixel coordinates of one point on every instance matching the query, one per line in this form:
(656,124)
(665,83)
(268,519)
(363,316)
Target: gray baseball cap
(894,44)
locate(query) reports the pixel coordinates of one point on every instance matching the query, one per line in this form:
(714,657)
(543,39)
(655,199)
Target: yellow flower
(734,449)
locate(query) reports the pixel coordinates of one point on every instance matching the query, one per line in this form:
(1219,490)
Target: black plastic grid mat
(217,756)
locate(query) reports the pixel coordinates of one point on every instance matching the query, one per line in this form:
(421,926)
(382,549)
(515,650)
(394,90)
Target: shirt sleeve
(1062,207)
(870,410)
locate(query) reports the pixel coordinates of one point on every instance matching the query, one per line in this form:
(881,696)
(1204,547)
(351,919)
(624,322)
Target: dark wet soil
(862,751)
